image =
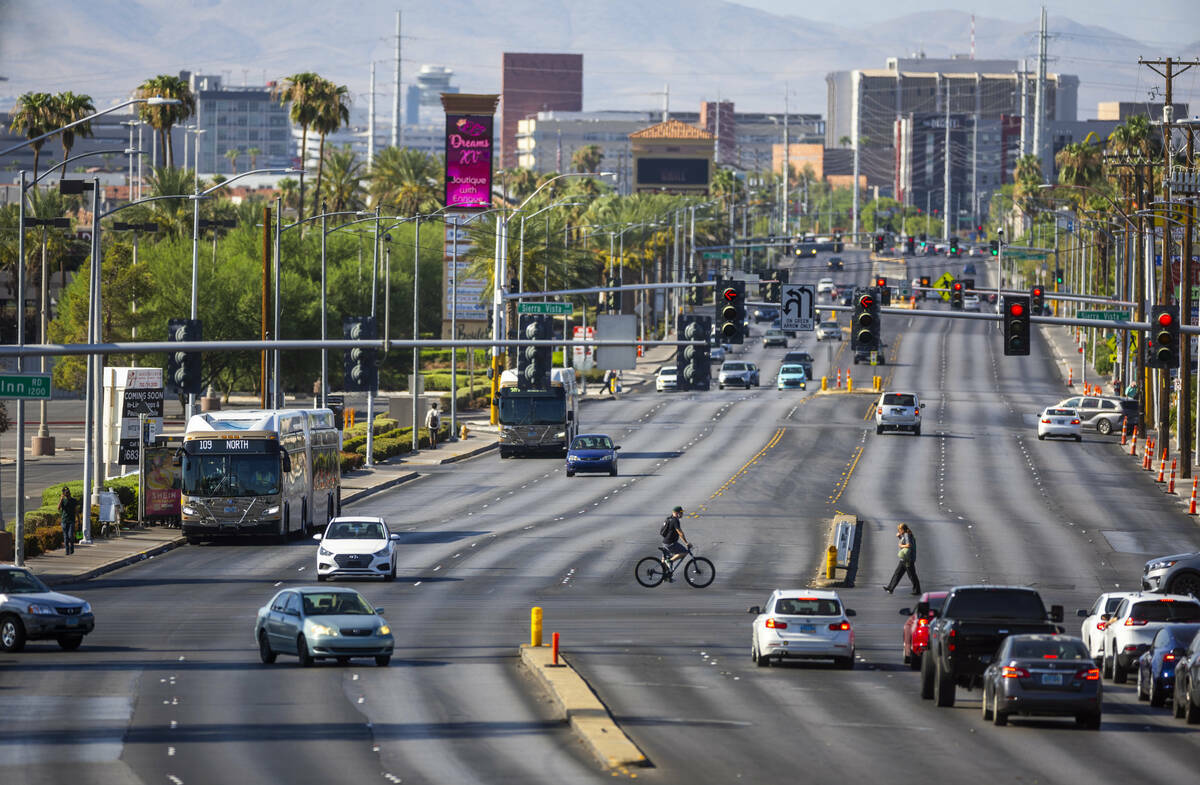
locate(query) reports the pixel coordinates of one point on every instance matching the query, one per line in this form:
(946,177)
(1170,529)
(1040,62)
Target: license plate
(1052,678)
(72,622)
(1060,422)
(808,628)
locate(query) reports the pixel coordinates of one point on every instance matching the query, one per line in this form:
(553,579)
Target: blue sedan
(1156,667)
(592,452)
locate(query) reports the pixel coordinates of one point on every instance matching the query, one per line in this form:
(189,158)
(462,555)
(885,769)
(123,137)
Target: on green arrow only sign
(554,309)
(25,386)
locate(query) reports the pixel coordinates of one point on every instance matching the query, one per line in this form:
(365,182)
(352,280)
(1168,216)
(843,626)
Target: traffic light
(864,329)
(954,246)
(183,368)
(994,247)
(693,370)
(359,369)
(533,362)
(692,297)
(612,298)
(1037,300)
(911,245)
(956,296)
(924,280)
(885,291)
(878,243)
(1162,345)
(1058,278)
(731,310)
(1016,324)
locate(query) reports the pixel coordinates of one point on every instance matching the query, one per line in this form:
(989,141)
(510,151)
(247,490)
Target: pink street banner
(468,161)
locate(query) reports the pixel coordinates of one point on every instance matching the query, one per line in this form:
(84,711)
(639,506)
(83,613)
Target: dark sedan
(30,610)
(1186,698)
(1156,666)
(592,452)
(1042,675)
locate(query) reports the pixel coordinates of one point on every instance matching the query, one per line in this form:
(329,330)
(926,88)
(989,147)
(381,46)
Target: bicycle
(653,570)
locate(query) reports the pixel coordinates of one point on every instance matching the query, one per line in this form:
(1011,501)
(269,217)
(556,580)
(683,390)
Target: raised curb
(582,709)
(471,454)
(365,492)
(115,564)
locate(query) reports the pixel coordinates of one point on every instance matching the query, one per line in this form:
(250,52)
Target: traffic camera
(731,310)
(693,370)
(360,373)
(183,368)
(864,330)
(1016,324)
(1162,345)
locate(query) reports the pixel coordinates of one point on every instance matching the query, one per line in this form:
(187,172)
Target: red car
(916,626)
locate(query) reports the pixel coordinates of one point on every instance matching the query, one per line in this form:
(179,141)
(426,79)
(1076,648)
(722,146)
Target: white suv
(898,411)
(1133,625)
(802,623)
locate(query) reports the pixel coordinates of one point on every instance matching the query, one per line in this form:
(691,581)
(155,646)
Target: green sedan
(319,623)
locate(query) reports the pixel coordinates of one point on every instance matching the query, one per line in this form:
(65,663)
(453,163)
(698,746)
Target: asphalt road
(169,688)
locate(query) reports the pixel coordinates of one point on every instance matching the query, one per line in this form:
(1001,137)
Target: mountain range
(633,50)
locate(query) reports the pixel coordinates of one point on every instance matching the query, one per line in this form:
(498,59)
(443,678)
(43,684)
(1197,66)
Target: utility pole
(856,130)
(1039,98)
(975,143)
(787,162)
(1185,316)
(397,131)
(946,173)
(371,121)
(1024,76)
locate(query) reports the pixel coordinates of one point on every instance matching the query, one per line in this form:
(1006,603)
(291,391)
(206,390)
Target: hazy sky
(1150,21)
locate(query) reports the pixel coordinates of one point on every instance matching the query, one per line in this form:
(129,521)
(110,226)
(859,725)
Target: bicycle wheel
(699,572)
(649,572)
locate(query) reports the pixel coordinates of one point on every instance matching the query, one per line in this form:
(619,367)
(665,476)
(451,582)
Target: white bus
(273,472)
(538,421)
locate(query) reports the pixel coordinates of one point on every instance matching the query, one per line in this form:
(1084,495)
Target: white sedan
(1057,421)
(802,624)
(666,379)
(358,547)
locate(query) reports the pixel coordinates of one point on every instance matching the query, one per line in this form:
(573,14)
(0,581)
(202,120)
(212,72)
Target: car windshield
(668,372)
(592,443)
(336,603)
(896,399)
(792,370)
(20,582)
(1061,649)
(808,606)
(355,530)
(735,367)
(800,357)
(997,604)
(230,475)
(547,410)
(774,332)
(1166,610)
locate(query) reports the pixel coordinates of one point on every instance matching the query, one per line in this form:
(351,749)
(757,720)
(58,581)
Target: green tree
(407,181)
(300,92)
(1080,163)
(32,117)
(254,153)
(342,189)
(1027,177)
(288,189)
(587,158)
(163,117)
(233,154)
(66,108)
(333,110)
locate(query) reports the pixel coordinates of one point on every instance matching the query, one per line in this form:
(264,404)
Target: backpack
(666,527)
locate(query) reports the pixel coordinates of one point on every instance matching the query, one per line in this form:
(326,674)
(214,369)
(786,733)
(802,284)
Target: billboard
(468,160)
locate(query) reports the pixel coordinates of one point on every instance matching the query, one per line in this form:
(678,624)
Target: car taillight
(922,622)
(879,410)
(1100,625)
(1088,674)
(1046,420)
(775,624)
(1168,658)
(1074,422)
(1012,672)
(1049,656)
(845,625)
(1132,622)
(950,643)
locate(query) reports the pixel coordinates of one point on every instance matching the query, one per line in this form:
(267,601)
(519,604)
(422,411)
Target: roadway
(169,687)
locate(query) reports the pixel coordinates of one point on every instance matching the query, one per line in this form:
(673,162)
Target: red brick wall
(531,83)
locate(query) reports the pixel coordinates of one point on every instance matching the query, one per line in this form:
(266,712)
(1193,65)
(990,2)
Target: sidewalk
(106,555)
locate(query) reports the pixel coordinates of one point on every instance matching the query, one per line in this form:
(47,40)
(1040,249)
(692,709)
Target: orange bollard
(1133,442)
(839,379)
(1070,377)
(554,648)
(1192,503)
(1171,482)
(1124,432)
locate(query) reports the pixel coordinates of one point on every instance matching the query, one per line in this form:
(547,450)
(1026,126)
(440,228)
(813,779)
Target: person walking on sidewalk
(68,508)
(433,421)
(908,560)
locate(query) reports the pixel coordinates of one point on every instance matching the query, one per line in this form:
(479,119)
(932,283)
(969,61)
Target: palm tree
(287,189)
(300,90)
(33,116)
(587,158)
(68,107)
(407,180)
(173,216)
(162,117)
(232,154)
(1080,163)
(844,141)
(254,153)
(333,110)
(342,189)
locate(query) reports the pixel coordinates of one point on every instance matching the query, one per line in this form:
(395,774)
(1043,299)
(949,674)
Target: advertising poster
(161,482)
(468,161)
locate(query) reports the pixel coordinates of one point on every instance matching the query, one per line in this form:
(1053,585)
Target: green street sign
(554,309)
(1107,316)
(720,254)
(25,385)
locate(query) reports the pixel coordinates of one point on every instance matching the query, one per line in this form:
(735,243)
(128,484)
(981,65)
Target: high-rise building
(245,119)
(422,100)
(532,83)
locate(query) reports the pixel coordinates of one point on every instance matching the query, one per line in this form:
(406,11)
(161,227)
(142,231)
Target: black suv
(835,263)
(800,358)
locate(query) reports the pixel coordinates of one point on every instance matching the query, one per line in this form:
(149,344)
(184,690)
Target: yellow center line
(840,487)
(774,440)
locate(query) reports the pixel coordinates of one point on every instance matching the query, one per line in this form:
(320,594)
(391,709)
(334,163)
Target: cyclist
(672,534)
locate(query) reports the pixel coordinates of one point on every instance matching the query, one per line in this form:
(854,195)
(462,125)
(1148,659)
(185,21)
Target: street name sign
(717,254)
(1107,316)
(797,307)
(554,309)
(25,386)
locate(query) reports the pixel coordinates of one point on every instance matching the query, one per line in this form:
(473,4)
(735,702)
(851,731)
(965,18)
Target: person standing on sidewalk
(433,421)
(908,560)
(68,508)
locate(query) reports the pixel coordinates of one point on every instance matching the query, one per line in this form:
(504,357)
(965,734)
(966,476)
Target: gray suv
(1178,574)
(29,610)
(1102,412)
(741,373)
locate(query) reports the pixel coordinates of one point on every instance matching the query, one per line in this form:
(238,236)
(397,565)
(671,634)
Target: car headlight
(385,630)
(1161,564)
(322,550)
(572,458)
(381,554)
(42,610)
(560,435)
(322,629)
(271,510)
(87,608)
(190,511)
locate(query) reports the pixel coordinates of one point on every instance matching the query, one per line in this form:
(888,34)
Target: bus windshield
(532,411)
(230,475)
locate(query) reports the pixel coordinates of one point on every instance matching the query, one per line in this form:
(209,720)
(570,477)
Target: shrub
(43,517)
(351,461)
(49,539)
(33,545)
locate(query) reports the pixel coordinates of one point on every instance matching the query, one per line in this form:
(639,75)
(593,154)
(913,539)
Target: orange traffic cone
(839,378)
(1070,377)
(1124,432)
(1133,442)
(1162,467)
(1192,503)
(1146,452)
(1171,482)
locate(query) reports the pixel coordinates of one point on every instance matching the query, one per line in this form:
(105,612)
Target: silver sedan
(319,623)
(30,610)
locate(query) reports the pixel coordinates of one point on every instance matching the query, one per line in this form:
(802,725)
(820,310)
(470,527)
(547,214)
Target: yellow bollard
(463,432)
(535,626)
(824,383)
(849,384)
(878,383)
(830,562)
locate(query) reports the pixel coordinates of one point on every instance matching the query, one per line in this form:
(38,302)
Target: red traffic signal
(881,281)
(957,287)
(1037,291)
(730,294)
(1166,319)
(1016,309)
(866,301)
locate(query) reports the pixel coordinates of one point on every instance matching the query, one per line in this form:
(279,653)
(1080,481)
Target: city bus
(538,421)
(260,472)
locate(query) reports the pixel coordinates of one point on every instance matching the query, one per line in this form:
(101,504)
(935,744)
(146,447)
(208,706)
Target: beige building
(672,157)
